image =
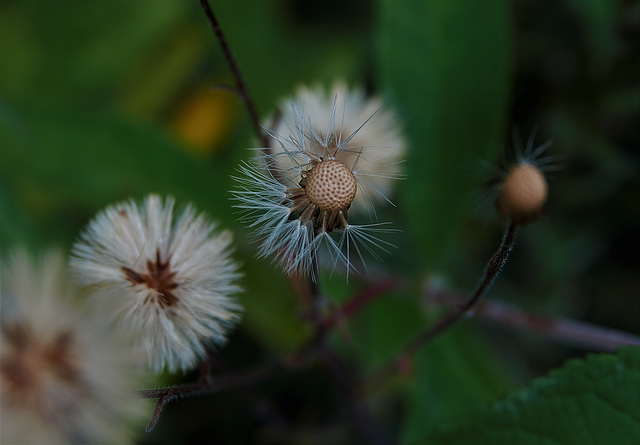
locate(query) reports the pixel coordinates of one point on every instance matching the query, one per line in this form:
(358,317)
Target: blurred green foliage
(452,87)
(90,93)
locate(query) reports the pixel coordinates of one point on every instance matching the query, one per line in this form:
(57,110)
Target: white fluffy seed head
(523,194)
(344,124)
(166,278)
(296,195)
(331,185)
(64,376)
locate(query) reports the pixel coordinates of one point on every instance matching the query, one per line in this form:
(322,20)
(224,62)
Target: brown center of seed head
(524,190)
(29,361)
(159,277)
(331,185)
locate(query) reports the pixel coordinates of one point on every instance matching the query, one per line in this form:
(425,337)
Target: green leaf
(592,401)
(446,66)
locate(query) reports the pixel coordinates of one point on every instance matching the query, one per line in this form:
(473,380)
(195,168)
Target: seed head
(523,194)
(65,377)
(297,197)
(519,185)
(334,115)
(331,185)
(166,278)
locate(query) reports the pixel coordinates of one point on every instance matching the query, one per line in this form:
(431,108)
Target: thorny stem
(241,88)
(494,266)
(571,332)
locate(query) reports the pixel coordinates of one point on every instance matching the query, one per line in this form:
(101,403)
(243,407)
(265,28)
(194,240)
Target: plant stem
(241,88)
(226,382)
(494,266)
(358,301)
(571,332)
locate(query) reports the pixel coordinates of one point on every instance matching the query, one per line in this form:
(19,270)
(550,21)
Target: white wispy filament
(297,198)
(381,139)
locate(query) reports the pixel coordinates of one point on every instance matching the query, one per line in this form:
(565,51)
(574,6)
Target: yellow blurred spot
(204,119)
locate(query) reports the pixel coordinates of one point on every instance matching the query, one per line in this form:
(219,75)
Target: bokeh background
(103,101)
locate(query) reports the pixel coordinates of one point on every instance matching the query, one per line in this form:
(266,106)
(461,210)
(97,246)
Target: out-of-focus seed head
(65,377)
(518,185)
(523,194)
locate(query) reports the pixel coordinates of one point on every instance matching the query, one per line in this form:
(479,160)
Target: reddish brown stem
(357,302)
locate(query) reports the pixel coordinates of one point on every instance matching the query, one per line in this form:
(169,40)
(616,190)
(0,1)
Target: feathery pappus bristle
(297,198)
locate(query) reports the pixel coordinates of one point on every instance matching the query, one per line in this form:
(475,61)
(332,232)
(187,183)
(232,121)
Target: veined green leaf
(593,401)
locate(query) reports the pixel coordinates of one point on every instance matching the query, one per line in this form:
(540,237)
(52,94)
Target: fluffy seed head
(167,279)
(63,375)
(331,185)
(297,197)
(337,115)
(523,193)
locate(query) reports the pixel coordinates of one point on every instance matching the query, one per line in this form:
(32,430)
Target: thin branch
(571,332)
(162,401)
(241,87)
(494,266)
(357,302)
(227,382)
